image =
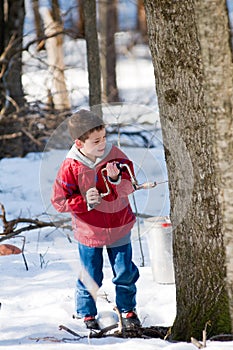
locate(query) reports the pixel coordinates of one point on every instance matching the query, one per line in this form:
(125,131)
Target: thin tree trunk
(108,27)
(56,11)
(80,24)
(38,24)
(12,87)
(54,48)
(2,27)
(199,252)
(93,60)
(141,20)
(2,45)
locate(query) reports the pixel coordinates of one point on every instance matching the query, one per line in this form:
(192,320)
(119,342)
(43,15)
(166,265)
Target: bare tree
(38,25)
(108,28)
(56,11)
(192,64)
(2,27)
(12,21)
(80,24)
(54,47)
(93,60)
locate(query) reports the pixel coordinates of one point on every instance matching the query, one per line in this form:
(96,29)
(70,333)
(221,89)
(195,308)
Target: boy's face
(94,146)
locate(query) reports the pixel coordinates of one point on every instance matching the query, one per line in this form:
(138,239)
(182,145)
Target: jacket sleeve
(66,196)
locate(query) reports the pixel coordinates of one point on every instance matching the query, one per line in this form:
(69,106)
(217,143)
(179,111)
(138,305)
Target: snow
(36,301)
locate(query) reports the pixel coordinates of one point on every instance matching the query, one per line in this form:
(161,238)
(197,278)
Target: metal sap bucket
(160,249)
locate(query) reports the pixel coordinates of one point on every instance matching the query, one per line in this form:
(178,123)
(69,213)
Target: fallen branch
(10,227)
(48,339)
(61,327)
(142,332)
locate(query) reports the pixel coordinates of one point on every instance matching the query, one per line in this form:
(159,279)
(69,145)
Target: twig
(196,343)
(31,137)
(9,227)
(22,252)
(38,224)
(3,216)
(42,260)
(50,339)
(169,332)
(119,317)
(12,101)
(25,261)
(103,331)
(14,135)
(105,297)
(61,327)
(3,57)
(204,336)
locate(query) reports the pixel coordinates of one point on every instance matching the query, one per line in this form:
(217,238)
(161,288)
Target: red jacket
(110,220)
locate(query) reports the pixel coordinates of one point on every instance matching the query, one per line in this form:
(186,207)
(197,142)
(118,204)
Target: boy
(97,220)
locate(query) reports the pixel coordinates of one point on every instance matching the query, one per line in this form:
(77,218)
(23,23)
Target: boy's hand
(92,196)
(112,170)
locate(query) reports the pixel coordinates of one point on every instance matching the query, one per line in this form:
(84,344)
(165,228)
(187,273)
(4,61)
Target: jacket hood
(74,153)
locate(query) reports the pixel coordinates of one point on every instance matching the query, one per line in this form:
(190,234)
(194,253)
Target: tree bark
(80,23)
(196,215)
(108,27)
(212,18)
(54,47)
(38,25)
(2,27)
(56,11)
(12,95)
(93,60)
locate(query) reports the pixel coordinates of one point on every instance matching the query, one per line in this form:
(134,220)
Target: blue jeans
(125,275)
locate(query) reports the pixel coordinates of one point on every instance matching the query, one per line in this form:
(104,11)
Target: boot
(91,322)
(130,320)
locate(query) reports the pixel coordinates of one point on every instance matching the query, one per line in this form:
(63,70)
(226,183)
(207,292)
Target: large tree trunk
(196,213)
(12,95)
(218,85)
(108,27)
(93,60)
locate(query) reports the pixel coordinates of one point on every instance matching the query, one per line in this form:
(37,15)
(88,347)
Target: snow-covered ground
(36,301)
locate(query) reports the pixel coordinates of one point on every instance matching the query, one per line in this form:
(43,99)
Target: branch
(14,135)
(69,32)
(11,50)
(31,137)
(9,227)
